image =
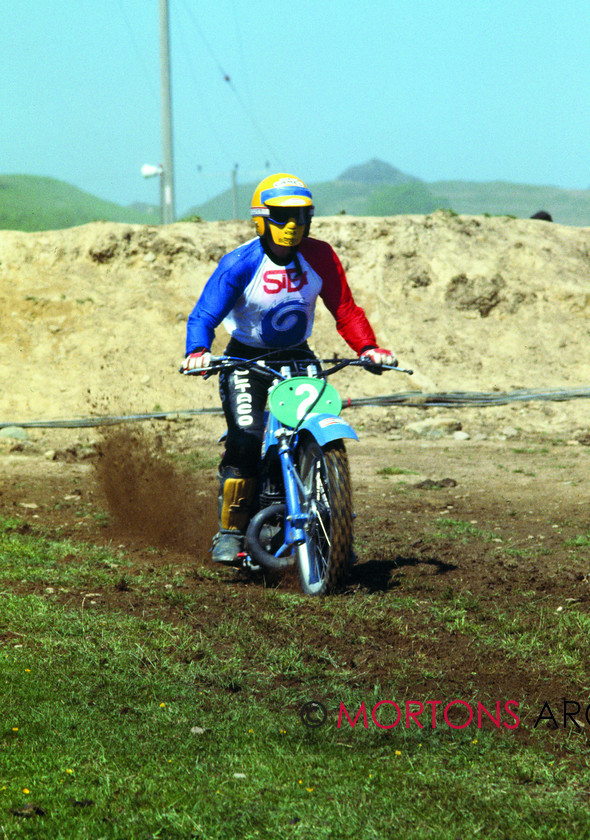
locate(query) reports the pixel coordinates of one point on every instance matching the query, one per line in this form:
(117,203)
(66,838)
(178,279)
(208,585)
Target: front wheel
(323,559)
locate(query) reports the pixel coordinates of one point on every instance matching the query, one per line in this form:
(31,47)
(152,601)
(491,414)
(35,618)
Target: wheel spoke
(325,477)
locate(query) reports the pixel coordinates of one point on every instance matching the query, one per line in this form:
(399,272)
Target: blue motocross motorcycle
(303,511)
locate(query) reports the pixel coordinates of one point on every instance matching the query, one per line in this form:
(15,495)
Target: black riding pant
(243,397)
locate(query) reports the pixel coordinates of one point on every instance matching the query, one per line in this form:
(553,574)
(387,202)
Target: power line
(139,54)
(241,50)
(228,80)
(211,123)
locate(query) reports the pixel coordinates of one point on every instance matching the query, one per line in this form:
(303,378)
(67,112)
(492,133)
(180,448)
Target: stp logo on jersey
(278,279)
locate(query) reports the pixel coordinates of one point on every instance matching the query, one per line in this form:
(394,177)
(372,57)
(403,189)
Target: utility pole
(234,190)
(166,100)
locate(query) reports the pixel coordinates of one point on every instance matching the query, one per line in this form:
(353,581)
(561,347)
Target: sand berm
(93,318)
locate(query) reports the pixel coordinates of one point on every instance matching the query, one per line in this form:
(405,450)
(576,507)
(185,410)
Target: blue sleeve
(220,294)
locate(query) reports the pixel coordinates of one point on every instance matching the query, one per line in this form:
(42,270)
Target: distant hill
(32,203)
(376,173)
(371,189)
(501,198)
(377,189)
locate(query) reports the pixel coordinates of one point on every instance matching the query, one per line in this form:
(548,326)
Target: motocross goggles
(280,216)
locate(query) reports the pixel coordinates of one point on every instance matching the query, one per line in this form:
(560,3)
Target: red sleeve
(351,321)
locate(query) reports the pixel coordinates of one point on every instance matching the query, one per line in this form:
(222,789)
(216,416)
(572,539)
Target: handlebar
(229,363)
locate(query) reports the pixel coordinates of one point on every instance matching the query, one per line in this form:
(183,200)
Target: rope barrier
(412,399)
(110,420)
(471,399)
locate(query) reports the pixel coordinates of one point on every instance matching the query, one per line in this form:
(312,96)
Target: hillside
(376,173)
(499,198)
(93,318)
(377,189)
(332,198)
(374,188)
(32,203)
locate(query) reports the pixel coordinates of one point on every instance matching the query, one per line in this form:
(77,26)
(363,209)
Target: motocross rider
(265,293)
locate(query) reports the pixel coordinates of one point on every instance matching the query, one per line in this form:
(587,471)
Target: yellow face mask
(288,235)
(287,224)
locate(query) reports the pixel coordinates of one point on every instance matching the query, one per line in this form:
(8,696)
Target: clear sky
(476,90)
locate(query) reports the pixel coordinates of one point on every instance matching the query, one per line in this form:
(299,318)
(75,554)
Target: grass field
(180,718)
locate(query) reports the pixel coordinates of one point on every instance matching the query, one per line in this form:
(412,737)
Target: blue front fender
(327,427)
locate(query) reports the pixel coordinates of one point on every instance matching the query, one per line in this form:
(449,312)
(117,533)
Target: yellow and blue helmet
(279,198)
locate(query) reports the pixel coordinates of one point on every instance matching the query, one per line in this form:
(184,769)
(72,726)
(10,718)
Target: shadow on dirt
(380,575)
(374,576)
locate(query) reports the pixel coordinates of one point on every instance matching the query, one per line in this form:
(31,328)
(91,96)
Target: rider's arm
(351,322)
(220,295)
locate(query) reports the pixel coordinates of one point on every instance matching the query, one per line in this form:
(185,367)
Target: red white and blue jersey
(271,306)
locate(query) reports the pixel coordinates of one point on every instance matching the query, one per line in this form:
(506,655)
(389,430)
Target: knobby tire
(325,470)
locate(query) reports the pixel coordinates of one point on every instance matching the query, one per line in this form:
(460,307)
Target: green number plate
(292,399)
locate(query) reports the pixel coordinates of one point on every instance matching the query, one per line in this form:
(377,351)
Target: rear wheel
(323,559)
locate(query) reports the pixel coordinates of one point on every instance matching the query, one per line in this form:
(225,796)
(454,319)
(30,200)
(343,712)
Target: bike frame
(325,428)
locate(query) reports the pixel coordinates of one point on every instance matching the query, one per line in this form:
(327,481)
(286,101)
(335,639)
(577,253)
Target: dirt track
(81,308)
(495,535)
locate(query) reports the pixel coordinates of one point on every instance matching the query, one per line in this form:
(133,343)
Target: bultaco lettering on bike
(291,400)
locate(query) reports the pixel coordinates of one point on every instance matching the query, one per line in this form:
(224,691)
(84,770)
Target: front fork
(295,518)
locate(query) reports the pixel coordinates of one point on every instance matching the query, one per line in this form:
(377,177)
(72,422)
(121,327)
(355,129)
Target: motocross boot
(236,495)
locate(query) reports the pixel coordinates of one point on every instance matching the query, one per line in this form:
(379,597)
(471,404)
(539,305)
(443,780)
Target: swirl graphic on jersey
(285,324)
